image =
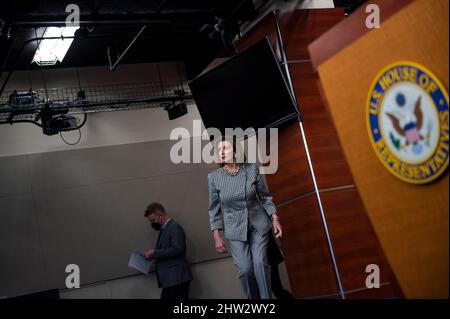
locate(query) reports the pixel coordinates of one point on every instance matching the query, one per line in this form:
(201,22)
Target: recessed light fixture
(52,50)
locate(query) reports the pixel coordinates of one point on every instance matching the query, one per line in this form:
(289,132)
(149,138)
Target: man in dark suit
(172,270)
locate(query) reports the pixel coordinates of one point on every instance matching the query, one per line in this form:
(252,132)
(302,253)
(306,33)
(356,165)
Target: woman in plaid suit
(238,192)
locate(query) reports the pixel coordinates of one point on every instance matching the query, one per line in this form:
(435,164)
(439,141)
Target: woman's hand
(276,226)
(220,246)
(219,243)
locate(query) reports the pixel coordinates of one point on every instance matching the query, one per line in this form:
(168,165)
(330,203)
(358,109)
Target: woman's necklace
(226,169)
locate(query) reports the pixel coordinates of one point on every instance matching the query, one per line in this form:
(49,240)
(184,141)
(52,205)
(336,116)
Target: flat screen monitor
(246,91)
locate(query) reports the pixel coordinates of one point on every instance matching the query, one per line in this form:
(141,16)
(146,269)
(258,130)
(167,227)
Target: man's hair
(155,208)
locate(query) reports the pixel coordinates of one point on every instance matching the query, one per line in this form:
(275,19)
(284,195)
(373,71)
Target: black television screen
(246,91)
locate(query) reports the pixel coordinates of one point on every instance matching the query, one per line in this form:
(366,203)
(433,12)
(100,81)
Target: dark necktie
(159,238)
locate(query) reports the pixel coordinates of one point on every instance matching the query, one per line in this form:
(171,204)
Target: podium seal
(408,123)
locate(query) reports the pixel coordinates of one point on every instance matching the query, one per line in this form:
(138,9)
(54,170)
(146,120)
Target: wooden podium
(410,221)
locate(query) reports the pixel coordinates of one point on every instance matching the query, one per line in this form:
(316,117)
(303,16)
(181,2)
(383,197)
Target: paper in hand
(138,262)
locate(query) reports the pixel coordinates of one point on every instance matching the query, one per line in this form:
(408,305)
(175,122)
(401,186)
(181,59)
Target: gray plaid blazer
(242,198)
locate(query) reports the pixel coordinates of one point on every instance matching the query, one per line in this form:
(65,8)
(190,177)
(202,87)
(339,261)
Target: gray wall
(86,207)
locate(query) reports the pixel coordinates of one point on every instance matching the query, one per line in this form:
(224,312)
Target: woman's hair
(238,153)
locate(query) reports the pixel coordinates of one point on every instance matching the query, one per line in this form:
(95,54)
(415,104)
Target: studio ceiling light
(52,50)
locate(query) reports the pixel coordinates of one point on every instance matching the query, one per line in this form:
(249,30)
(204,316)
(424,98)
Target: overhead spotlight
(176,110)
(81,98)
(54,121)
(24,99)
